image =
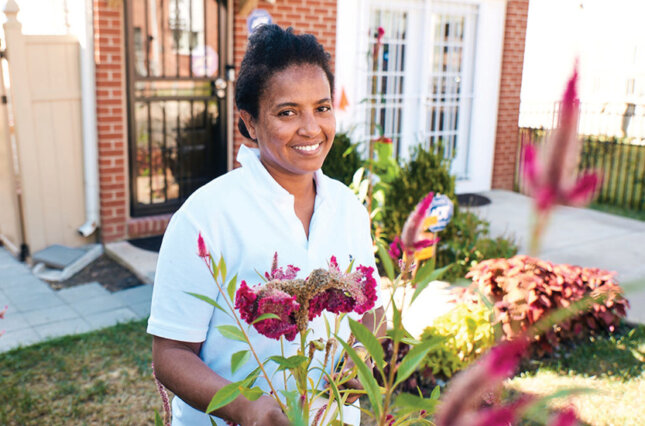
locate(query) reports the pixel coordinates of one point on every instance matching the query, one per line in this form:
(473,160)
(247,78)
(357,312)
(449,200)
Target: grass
(620,211)
(103,377)
(613,366)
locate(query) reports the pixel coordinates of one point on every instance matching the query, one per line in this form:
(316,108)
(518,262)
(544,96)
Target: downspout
(90,143)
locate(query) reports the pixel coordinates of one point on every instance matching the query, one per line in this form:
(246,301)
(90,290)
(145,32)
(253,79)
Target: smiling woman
(279,202)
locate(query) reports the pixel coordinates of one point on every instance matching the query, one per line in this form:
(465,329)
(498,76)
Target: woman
(278,201)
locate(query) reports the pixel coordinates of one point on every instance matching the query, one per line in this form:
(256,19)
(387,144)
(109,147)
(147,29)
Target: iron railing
(620,161)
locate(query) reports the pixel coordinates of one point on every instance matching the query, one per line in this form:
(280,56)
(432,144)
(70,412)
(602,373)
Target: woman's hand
(264,411)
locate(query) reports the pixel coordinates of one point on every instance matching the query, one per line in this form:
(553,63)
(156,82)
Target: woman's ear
(249,123)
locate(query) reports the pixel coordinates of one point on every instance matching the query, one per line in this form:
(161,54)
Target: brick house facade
(320,20)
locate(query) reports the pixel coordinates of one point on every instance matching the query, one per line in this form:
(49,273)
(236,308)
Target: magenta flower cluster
(295,302)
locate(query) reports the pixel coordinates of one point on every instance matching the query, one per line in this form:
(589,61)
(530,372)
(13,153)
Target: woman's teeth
(307,148)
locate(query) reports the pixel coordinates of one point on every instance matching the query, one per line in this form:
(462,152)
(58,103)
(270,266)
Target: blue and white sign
(205,61)
(441,211)
(256,18)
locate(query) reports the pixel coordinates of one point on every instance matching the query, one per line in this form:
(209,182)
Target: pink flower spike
(4,311)
(502,360)
(566,417)
(530,165)
(412,226)
(395,248)
(583,190)
(202,251)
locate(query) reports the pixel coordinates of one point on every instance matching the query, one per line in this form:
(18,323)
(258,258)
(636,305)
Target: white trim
(351,66)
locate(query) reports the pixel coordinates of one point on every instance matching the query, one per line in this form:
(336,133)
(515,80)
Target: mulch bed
(107,272)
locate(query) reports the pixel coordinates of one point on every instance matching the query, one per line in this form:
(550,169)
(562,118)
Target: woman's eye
(286,113)
(324,108)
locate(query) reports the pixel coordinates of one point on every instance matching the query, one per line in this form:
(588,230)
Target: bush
(526,289)
(343,159)
(468,332)
(465,240)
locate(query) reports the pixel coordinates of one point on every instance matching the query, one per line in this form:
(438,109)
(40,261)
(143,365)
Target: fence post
(22,110)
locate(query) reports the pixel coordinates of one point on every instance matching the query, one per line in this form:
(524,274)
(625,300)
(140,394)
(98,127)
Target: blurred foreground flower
(297,301)
(552,178)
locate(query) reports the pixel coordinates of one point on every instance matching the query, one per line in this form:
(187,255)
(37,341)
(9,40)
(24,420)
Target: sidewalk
(36,312)
(578,236)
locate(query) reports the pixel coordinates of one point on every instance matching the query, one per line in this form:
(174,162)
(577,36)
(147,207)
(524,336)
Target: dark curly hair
(272,49)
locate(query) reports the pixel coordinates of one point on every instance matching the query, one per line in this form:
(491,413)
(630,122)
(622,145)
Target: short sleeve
(174,313)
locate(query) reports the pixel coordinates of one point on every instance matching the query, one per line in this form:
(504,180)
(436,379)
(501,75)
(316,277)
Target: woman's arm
(179,368)
(376,322)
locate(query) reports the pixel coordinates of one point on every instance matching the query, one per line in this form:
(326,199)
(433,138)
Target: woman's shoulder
(342,195)
(216,194)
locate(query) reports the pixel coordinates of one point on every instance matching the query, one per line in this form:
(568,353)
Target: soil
(107,272)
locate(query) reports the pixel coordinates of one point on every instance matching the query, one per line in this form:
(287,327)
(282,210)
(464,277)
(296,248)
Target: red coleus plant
(525,289)
(297,301)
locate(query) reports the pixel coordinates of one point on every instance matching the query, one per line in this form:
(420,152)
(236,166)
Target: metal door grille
(177,129)
(448,102)
(386,74)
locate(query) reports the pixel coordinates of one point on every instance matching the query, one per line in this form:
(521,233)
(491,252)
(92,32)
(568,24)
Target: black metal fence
(620,162)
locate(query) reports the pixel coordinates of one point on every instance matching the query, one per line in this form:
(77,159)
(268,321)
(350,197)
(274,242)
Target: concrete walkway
(36,312)
(578,236)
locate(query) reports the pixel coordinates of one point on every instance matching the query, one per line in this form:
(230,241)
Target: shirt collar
(249,158)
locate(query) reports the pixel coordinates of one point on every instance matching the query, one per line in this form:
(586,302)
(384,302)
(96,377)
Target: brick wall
(109,51)
(109,45)
(506,140)
(317,18)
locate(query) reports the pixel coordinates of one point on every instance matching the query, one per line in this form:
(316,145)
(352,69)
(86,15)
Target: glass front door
(176,100)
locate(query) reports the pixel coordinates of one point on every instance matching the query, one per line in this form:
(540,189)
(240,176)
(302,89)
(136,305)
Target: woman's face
(295,126)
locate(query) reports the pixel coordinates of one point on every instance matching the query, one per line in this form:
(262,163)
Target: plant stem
(246,336)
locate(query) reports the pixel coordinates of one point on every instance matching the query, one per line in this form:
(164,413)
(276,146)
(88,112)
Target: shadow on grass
(620,355)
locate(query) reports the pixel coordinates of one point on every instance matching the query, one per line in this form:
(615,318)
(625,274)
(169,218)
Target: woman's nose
(309,126)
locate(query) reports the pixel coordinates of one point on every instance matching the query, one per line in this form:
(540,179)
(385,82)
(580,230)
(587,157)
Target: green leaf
(238,359)
(366,378)
(222,268)
(232,286)
(252,377)
(432,276)
(370,342)
(252,394)
(408,403)
(265,316)
(435,392)
(209,301)
(294,411)
(291,362)
(413,358)
(224,396)
(231,332)
(158,421)
(386,260)
(214,266)
(212,421)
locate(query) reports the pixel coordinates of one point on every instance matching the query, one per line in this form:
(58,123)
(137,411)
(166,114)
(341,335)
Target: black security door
(176,99)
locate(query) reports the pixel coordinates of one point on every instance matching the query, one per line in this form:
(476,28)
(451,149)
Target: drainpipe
(90,143)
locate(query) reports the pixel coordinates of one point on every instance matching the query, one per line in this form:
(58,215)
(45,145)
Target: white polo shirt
(246,216)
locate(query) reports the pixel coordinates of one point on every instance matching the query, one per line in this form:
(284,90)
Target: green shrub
(343,159)
(468,332)
(465,240)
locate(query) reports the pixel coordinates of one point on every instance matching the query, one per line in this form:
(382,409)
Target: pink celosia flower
(164,398)
(380,32)
(263,299)
(4,311)
(463,400)
(277,273)
(395,248)
(566,417)
(554,181)
(410,236)
(202,251)
(298,301)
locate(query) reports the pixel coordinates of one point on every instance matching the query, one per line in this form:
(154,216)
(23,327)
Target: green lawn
(103,377)
(612,365)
